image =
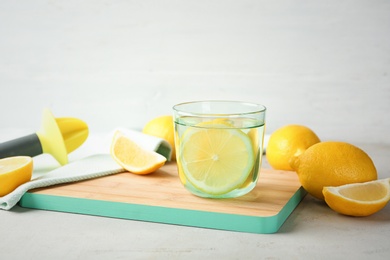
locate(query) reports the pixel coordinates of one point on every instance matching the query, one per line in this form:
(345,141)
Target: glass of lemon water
(219,146)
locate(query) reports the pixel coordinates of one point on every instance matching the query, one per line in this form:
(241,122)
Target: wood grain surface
(163,188)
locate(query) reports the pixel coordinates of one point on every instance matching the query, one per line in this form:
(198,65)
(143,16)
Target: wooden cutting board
(160,197)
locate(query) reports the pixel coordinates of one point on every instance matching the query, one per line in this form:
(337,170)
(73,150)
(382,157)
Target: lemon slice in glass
(216,159)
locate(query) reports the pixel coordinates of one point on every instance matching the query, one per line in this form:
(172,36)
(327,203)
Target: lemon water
(240,170)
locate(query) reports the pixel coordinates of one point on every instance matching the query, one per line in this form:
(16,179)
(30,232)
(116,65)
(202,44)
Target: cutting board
(160,197)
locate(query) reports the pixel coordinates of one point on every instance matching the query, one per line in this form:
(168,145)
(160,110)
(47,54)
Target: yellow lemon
(14,171)
(216,159)
(358,199)
(287,142)
(132,157)
(162,127)
(332,164)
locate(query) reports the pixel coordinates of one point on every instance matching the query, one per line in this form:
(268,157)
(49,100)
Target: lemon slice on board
(216,159)
(132,157)
(358,199)
(14,171)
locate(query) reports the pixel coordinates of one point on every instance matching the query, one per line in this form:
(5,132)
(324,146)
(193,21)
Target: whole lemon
(287,142)
(332,164)
(162,127)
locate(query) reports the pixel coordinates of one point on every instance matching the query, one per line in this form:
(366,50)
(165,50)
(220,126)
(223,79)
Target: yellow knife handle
(28,145)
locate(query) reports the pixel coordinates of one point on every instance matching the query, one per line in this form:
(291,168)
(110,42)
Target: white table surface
(312,231)
(324,64)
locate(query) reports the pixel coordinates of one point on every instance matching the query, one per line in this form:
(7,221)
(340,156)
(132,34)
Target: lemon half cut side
(14,171)
(216,159)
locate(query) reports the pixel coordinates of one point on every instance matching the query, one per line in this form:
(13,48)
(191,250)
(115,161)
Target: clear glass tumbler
(219,146)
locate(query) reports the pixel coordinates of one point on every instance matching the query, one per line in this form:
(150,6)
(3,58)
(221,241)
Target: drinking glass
(219,146)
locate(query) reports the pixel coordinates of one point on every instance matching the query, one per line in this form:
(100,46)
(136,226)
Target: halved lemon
(14,171)
(216,159)
(132,157)
(358,199)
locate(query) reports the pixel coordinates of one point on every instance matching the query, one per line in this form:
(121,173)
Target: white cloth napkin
(95,162)
(87,168)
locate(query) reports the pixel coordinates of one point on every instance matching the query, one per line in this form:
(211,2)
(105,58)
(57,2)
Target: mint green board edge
(177,216)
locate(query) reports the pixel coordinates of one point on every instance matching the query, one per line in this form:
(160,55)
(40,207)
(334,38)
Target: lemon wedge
(358,199)
(132,157)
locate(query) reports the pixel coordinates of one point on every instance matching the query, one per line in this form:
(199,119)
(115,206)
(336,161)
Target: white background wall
(324,64)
